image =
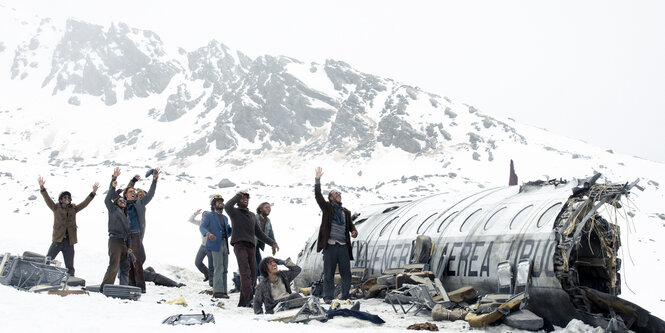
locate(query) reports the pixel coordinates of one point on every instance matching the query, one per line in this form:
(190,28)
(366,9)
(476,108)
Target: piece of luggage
(190,319)
(125,292)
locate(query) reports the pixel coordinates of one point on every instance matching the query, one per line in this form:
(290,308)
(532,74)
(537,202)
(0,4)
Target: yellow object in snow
(178,301)
(306,290)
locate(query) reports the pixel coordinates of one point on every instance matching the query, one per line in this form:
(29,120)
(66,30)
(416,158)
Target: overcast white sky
(592,70)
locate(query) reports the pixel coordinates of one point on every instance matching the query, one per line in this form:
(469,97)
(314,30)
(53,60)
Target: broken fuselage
(562,228)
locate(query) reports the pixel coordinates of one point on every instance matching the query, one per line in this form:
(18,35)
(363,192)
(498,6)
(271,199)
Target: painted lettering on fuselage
(475,259)
(460,258)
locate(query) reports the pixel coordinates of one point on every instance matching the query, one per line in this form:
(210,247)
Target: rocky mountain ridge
(269,102)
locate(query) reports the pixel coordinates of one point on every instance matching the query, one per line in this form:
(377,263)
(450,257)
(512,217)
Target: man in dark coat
(64,223)
(118,227)
(275,286)
(334,239)
(245,228)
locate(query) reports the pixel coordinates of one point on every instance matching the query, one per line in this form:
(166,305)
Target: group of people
(126,228)
(247,233)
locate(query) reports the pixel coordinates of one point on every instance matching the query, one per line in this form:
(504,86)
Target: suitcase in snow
(124,292)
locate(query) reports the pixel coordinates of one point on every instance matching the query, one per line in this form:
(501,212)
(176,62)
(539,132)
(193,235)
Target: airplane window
(495,218)
(359,222)
(390,209)
(387,224)
(423,223)
(405,223)
(450,217)
(520,217)
(470,220)
(549,214)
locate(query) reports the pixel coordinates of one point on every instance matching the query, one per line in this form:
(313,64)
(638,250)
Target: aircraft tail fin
(512,180)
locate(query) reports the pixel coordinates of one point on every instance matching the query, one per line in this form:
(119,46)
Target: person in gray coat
(275,286)
(118,228)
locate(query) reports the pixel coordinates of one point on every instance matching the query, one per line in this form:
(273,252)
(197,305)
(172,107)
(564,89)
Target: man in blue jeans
(334,239)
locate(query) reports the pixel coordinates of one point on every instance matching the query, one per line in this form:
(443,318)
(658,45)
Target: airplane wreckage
(553,233)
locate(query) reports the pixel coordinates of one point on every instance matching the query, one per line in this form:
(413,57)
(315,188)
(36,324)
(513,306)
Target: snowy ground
(30,312)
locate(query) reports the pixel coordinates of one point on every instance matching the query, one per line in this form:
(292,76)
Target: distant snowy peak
(267,103)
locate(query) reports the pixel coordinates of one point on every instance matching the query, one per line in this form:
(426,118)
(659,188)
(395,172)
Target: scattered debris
(190,319)
(524,320)
(124,292)
(64,293)
(178,301)
(426,326)
(27,272)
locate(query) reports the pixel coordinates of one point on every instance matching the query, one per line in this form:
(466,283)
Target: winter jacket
(263,295)
(267,230)
(64,217)
(213,224)
(118,219)
(140,204)
(327,214)
(244,224)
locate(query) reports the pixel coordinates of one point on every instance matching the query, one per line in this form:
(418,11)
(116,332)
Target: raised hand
(41,181)
(116,172)
(319,173)
(137,177)
(95,187)
(156,172)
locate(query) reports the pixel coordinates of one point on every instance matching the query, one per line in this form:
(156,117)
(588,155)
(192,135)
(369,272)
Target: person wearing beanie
(64,223)
(215,226)
(334,241)
(118,227)
(245,229)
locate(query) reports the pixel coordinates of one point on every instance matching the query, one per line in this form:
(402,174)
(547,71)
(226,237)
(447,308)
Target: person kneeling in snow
(275,286)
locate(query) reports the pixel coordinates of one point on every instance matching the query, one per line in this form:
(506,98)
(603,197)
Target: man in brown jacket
(334,239)
(64,223)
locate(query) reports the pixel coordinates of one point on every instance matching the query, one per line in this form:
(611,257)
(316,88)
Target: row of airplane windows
(517,220)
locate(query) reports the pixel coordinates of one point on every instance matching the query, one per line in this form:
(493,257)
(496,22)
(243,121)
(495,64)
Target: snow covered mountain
(80,99)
